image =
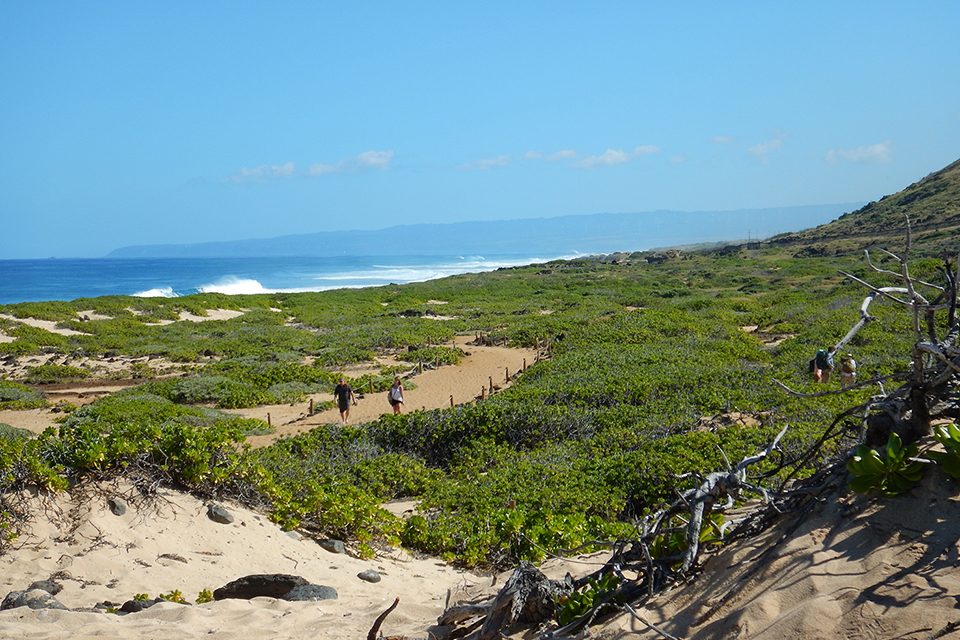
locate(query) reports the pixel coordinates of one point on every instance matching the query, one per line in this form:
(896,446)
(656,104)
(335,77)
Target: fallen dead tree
(665,552)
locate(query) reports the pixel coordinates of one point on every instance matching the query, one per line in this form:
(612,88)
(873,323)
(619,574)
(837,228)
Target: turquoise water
(68,279)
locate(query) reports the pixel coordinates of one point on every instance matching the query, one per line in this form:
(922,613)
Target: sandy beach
(173,546)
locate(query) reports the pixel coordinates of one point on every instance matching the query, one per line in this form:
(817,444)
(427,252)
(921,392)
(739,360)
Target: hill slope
(932,204)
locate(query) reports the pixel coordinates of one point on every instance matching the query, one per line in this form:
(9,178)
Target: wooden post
(507,373)
(437,362)
(524,365)
(371,385)
(268,421)
(483,393)
(451,401)
(311,407)
(491,385)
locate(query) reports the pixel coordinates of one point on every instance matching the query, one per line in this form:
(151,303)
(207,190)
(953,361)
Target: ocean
(69,279)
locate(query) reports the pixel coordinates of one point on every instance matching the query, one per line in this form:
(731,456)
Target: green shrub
(949,436)
(578,603)
(892,473)
(219,390)
(19,397)
(13,433)
(294,391)
(49,373)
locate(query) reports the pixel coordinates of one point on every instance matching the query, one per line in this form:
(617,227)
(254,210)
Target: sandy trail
(464,383)
(435,388)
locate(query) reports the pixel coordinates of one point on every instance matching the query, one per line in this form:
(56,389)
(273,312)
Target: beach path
(434,389)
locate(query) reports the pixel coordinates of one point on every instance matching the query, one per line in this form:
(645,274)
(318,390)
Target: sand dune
(97,556)
(857,567)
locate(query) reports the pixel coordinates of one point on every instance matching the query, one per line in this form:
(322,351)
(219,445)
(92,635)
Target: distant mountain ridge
(596,233)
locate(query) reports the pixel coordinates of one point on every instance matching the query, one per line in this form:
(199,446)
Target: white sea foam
(384,273)
(322,279)
(234,286)
(160,292)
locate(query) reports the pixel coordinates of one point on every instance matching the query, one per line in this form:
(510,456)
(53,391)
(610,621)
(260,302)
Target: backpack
(821,358)
(846,365)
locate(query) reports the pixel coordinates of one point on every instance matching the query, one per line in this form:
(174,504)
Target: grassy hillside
(933,205)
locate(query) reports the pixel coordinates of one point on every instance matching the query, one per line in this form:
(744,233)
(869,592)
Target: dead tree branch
(935,362)
(372,634)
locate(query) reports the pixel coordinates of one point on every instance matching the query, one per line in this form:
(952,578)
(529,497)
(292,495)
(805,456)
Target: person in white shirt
(395,395)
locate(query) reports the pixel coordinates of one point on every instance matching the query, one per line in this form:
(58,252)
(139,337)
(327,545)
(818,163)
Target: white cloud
(375,159)
(722,140)
(263,172)
(499,161)
(318,169)
(764,149)
(878,153)
(532,155)
(612,157)
(365,161)
(678,158)
(566,154)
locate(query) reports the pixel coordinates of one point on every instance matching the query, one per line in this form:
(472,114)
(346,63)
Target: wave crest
(234,286)
(159,292)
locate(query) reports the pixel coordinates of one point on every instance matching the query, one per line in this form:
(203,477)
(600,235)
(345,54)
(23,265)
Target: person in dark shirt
(344,395)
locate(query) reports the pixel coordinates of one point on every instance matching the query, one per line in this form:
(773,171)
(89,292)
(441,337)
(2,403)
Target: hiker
(823,364)
(344,395)
(848,371)
(395,395)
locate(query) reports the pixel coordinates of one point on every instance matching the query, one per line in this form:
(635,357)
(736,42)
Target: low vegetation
(649,371)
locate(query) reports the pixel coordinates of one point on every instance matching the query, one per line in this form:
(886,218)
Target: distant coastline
(585,234)
(412,253)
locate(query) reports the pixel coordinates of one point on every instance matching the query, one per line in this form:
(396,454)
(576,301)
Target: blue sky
(179,122)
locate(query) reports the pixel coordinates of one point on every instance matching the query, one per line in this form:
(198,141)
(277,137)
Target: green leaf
(892,474)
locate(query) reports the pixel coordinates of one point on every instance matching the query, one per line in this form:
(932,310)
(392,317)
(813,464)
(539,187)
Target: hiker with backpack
(848,371)
(822,364)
